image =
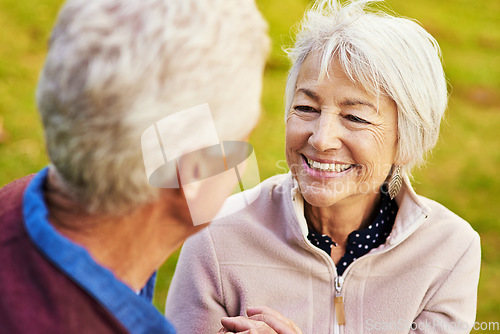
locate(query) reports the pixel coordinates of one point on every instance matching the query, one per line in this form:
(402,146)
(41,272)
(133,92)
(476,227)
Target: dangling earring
(395,182)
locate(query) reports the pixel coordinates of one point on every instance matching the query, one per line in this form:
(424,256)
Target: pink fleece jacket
(424,277)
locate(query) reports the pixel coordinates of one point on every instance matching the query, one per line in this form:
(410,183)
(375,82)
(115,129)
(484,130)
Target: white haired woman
(343,243)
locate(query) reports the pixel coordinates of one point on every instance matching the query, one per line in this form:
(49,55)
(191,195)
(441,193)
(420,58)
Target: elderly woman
(342,243)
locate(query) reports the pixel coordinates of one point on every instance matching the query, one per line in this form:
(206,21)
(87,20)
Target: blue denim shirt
(134,311)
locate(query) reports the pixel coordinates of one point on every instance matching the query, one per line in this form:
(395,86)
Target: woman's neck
(339,220)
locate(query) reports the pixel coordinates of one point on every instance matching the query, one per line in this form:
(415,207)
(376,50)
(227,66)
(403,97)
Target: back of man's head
(115,67)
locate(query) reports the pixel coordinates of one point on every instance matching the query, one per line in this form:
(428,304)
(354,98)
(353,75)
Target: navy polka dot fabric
(361,242)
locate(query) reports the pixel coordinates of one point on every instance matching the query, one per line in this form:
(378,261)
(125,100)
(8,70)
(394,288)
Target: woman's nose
(327,133)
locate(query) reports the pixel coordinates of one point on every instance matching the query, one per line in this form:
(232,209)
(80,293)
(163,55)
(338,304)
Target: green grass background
(462,173)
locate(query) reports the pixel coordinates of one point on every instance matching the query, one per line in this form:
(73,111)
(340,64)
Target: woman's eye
(305,109)
(356,119)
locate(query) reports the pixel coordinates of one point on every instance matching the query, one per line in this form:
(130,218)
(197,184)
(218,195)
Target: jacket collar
(411,213)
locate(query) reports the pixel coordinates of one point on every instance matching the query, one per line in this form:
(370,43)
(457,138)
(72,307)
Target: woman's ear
(402,160)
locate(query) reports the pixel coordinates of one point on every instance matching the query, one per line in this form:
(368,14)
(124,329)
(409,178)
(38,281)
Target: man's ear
(199,165)
(208,177)
(205,187)
(187,173)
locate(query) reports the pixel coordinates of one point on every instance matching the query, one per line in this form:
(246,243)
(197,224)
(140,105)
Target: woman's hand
(260,320)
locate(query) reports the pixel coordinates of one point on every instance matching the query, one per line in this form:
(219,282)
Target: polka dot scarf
(360,242)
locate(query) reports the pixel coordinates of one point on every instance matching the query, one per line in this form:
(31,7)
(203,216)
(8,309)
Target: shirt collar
(411,213)
(135,313)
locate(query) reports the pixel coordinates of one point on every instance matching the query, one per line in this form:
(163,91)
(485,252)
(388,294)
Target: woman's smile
(324,168)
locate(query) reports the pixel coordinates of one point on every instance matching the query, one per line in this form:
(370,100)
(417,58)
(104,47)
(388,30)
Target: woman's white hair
(116,67)
(388,55)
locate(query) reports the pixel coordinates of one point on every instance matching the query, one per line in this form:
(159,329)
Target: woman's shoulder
(258,201)
(443,217)
(260,225)
(448,232)
(442,240)
(255,212)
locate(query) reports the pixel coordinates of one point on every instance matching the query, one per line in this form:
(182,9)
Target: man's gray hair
(387,55)
(116,67)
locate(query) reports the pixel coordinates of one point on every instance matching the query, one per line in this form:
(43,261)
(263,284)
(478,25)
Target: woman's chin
(319,197)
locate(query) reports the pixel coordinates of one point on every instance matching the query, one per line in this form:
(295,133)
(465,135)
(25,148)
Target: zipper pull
(339,301)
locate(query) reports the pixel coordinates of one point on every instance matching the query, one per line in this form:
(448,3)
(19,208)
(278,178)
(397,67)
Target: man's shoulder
(11,210)
(38,297)
(11,195)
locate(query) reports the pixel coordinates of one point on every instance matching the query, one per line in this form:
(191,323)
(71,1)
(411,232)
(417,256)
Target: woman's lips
(323,169)
(326,166)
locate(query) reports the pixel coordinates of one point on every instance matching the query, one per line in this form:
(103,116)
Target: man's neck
(132,246)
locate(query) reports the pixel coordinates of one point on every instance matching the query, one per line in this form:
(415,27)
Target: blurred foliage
(461,174)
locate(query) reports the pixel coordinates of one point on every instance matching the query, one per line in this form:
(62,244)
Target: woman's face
(340,140)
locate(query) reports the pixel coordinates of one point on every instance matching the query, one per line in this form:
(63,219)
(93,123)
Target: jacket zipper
(339,281)
(339,301)
(339,315)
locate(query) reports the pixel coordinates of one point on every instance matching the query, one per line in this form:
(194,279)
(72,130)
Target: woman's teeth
(327,167)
